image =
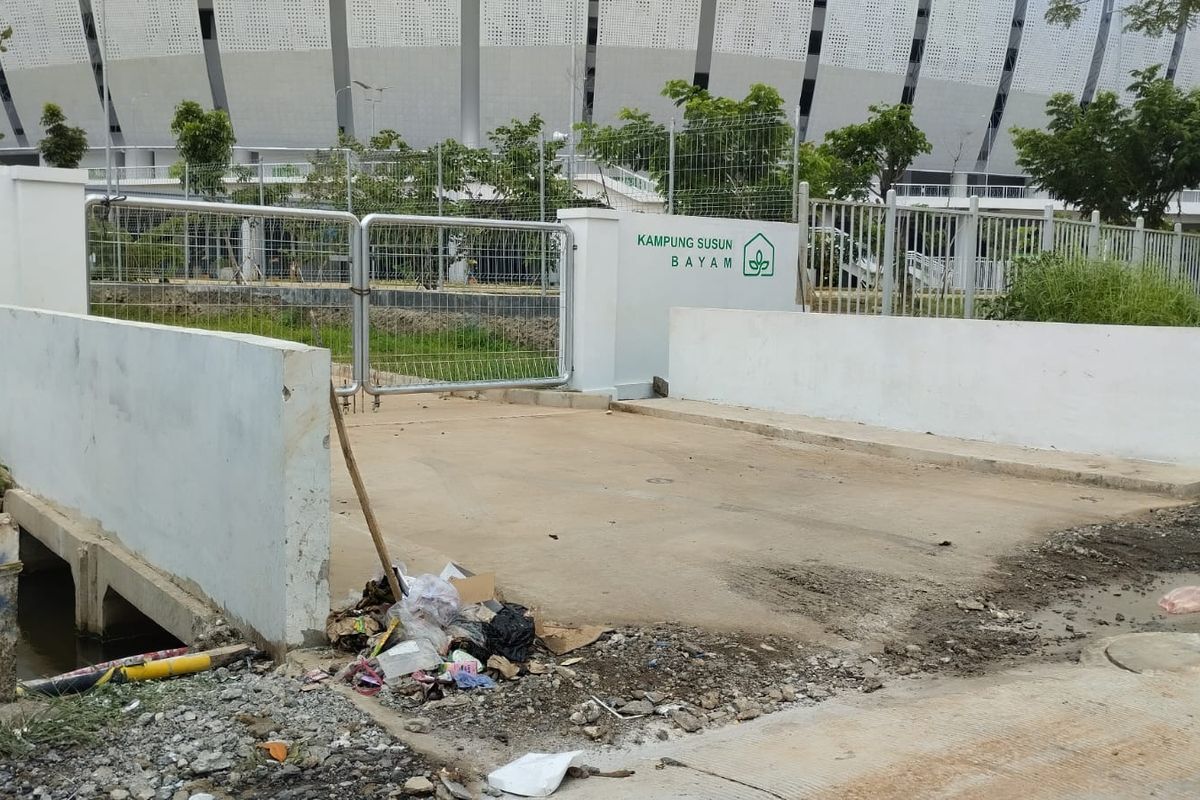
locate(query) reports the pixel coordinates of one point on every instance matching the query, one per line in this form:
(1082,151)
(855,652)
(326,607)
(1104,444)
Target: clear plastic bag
(1184,600)
(432,597)
(418,626)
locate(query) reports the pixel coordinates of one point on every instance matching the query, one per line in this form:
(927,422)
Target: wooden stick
(398,589)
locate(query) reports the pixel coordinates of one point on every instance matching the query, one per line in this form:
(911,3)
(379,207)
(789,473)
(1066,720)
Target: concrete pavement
(1061,732)
(620,518)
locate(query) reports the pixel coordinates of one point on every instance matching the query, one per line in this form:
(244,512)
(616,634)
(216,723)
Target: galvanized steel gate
(405,304)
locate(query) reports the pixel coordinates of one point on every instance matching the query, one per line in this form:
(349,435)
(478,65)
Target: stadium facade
(292,72)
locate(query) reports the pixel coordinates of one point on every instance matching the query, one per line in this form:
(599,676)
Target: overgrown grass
(41,723)
(1049,288)
(468,353)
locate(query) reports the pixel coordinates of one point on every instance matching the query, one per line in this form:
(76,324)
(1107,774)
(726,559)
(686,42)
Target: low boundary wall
(1105,389)
(205,454)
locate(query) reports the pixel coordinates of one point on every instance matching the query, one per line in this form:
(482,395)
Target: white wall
(41,265)
(205,453)
(1106,389)
(626,282)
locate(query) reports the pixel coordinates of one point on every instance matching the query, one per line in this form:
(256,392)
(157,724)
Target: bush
(1049,288)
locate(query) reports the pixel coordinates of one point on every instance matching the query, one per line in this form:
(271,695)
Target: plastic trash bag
(418,626)
(432,597)
(510,633)
(1184,600)
(533,774)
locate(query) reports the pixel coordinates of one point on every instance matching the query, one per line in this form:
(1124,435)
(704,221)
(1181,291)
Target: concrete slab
(1052,732)
(1116,473)
(620,518)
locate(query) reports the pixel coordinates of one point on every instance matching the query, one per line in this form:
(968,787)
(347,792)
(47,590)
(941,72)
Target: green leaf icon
(758,263)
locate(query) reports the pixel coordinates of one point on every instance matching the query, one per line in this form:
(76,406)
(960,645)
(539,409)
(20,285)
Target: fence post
(542,198)
(441,229)
(1177,252)
(1093,244)
(888,268)
(796,165)
(262,187)
(968,257)
(187,228)
(349,185)
(1138,256)
(1048,229)
(671,171)
(802,294)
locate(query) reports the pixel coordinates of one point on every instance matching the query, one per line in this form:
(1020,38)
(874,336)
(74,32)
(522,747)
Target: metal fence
(403,303)
(513,334)
(879,258)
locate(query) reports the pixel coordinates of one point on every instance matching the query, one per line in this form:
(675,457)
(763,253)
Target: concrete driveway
(617,518)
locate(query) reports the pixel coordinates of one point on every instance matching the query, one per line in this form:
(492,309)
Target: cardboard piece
(476,588)
(562,639)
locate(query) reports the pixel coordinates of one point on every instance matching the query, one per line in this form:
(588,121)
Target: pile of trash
(448,633)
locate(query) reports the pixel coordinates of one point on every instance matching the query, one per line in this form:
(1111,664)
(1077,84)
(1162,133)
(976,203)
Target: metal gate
(461,304)
(404,304)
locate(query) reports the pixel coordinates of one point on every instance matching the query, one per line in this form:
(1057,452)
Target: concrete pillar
(594,302)
(958,184)
(469,87)
(43,258)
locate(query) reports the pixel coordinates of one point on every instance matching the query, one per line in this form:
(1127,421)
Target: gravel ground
(198,735)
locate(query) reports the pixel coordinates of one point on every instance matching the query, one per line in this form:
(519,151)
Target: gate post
(803,290)
(1048,229)
(888,267)
(594,299)
(1093,243)
(968,257)
(1177,252)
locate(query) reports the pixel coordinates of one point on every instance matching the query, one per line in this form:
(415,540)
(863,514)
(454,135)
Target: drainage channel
(48,642)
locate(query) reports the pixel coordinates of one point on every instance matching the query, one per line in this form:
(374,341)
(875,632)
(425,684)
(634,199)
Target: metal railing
(871,258)
(515,334)
(404,303)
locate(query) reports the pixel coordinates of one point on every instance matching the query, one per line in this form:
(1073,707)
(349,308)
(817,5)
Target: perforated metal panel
(149,28)
(46,33)
(765,28)
(260,26)
(874,35)
(1054,58)
(651,24)
(403,23)
(966,41)
(533,23)
(1128,51)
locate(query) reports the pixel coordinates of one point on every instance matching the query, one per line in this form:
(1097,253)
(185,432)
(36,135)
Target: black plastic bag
(510,633)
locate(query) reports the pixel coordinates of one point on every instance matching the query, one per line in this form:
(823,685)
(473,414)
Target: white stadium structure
(292,72)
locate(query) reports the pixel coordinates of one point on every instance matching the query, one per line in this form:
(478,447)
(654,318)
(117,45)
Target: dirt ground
(743,576)
(1043,602)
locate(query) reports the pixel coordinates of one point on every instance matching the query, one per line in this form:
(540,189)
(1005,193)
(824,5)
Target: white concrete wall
(631,268)
(41,264)
(1106,389)
(205,453)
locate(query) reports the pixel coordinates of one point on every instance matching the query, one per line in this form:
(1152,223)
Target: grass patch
(39,723)
(1049,288)
(467,353)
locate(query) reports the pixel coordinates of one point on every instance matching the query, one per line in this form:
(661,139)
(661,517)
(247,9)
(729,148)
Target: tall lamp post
(374,101)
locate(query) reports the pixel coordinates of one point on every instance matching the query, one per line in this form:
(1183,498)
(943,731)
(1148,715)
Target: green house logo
(758,257)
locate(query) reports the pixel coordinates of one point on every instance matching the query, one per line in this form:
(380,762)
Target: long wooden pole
(398,589)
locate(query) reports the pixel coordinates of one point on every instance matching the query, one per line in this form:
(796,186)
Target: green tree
(881,148)
(205,142)
(1122,162)
(733,158)
(63,145)
(1151,17)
